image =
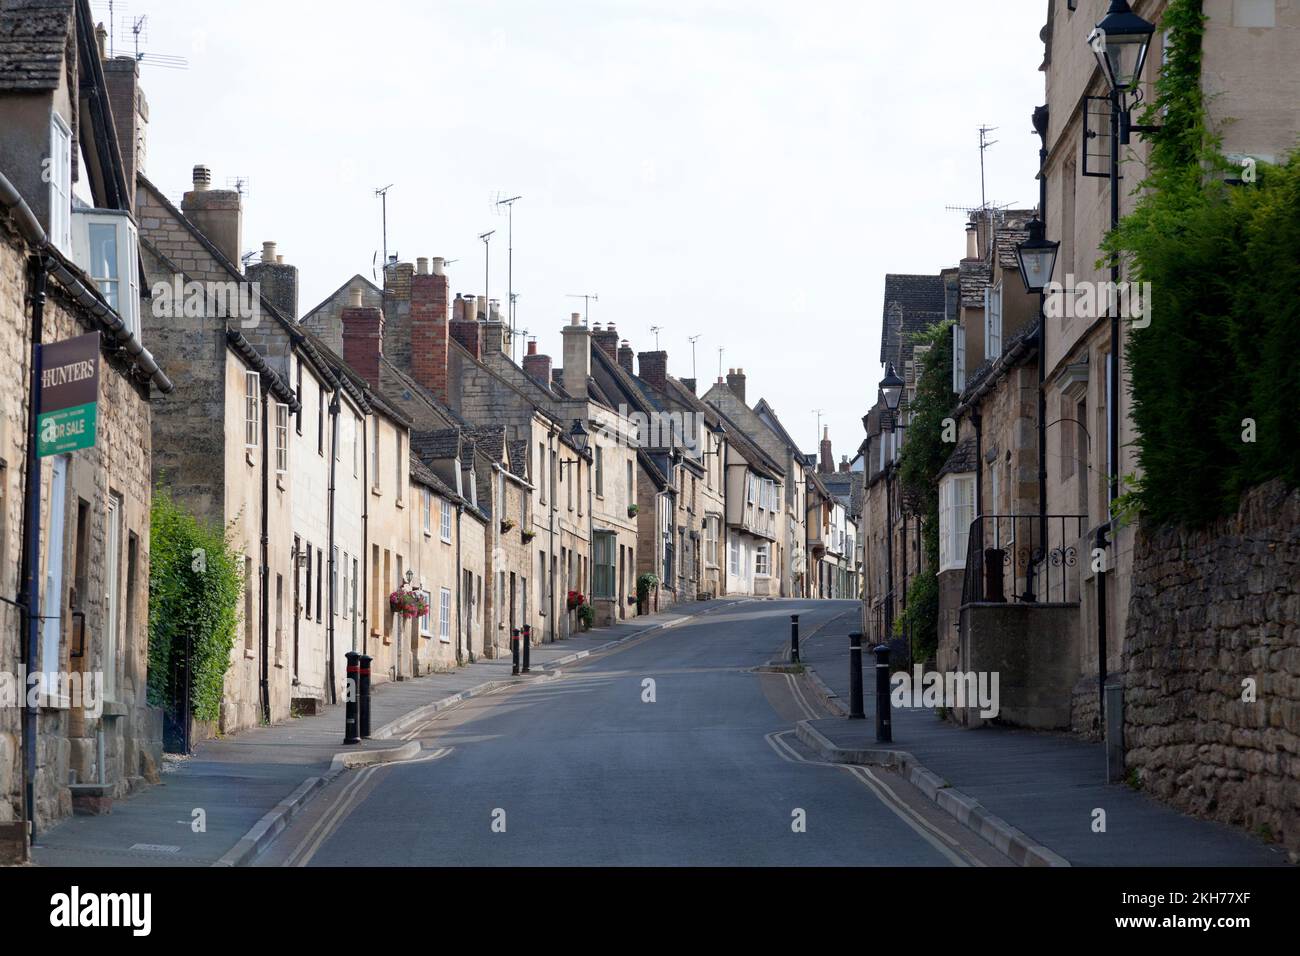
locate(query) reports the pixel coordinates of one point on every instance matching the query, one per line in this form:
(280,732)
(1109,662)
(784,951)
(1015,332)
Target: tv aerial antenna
(656,329)
(382,193)
(693,339)
(587,298)
(985,143)
(140,31)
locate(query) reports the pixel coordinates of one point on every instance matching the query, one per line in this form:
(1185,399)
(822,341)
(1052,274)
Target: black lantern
(580,436)
(1120,43)
(1037,258)
(891,388)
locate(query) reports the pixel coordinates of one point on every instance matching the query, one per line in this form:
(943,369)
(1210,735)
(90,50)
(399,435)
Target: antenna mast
(382,193)
(587,298)
(509,203)
(693,340)
(985,143)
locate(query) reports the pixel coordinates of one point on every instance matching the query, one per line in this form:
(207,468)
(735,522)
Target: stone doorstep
(13,843)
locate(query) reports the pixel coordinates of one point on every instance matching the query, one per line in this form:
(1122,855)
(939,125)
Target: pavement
(661,753)
(1034,795)
(225,803)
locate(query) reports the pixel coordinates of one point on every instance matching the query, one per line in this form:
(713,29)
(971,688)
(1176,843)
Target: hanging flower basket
(632,510)
(527,535)
(408,604)
(507,524)
(576,600)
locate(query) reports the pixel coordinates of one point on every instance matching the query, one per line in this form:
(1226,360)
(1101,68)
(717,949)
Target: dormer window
(59,175)
(104,244)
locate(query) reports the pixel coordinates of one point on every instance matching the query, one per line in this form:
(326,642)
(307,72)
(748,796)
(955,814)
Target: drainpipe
(335,405)
(550,571)
(366,596)
(29,597)
(265,681)
(460,606)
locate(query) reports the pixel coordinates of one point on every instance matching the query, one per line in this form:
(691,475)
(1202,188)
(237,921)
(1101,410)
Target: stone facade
(1212,686)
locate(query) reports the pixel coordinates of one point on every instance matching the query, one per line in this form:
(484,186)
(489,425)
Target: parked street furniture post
(528,642)
(514,650)
(855,677)
(363,694)
(884,729)
(350,699)
(794,638)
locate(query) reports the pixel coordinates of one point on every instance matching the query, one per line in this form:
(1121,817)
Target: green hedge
(195,587)
(1224,266)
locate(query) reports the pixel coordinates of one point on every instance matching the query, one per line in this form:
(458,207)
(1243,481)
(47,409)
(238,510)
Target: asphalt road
(669,750)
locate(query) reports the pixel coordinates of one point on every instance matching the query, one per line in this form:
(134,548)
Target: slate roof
(34,36)
(436,445)
(962,459)
(908,295)
(491,440)
(519,458)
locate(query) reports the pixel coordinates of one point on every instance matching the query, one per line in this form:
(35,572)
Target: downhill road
(668,750)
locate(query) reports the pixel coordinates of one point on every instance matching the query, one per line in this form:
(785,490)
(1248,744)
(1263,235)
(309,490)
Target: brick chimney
(577,356)
(606,340)
(278,279)
(736,382)
(218,213)
(538,367)
(363,337)
(844,464)
(625,356)
(130,115)
(827,464)
(465,328)
(654,368)
(429,329)
(689,383)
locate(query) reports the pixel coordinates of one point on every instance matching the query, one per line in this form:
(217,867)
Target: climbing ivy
(922,457)
(195,585)
(1214,377)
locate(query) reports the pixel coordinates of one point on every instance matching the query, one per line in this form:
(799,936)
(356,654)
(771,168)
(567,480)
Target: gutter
(110,322)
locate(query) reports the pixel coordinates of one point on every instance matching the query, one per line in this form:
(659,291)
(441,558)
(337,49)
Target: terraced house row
(375,473)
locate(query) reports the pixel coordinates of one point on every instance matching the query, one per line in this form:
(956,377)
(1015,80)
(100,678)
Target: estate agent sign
(67,404)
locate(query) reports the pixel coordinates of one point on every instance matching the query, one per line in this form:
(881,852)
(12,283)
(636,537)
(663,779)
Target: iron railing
(1024,558)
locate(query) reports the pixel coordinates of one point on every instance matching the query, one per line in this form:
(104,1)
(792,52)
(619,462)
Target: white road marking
(923,828)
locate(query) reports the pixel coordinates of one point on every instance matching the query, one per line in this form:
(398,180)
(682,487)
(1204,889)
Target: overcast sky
(742,170)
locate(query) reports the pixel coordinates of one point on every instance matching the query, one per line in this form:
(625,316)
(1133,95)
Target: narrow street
(583,771)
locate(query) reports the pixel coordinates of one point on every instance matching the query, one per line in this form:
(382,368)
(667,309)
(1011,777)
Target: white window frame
(252,409)
(956,512)
(426,619)
(281,438)
(993,322)
(120,287)
(60,179)
(444,615)
(444,525)
(763,561)
(733,557)
(426,511)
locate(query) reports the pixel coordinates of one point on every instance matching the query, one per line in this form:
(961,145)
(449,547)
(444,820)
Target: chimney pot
(268,252)
(421,266)
(279,260)
(439,265)
(354,298)
(202,178)
(532,346)
(575,318)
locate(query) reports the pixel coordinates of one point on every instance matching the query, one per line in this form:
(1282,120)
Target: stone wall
(1213,611)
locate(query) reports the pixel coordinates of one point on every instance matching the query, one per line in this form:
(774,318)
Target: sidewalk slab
(1046,786)
(226,802)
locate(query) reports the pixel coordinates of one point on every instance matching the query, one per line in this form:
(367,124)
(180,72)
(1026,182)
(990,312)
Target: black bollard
(514,650)
(350,700)
(884,730)
(794,638)
(855,677)
(528,643)
(363,684)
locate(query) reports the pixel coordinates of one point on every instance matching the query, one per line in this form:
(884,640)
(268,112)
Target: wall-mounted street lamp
(1037,258)
(891,389)
(1120,41)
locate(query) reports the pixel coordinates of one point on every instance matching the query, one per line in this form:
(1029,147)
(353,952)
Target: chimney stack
(844,464)
(495,333)
(736,382)
(654,368)
(689,383)
(577,356)
(538,367)
(218,213)
(625,356)
(828,460)
(972,240)
(278,281)
(430,332)
(130,114)
(363,337)
(465,327)
(606,340)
